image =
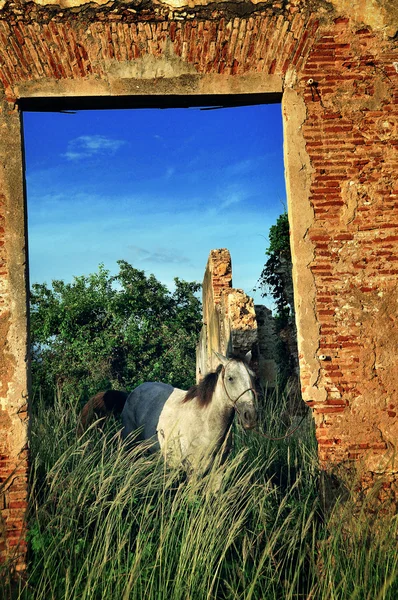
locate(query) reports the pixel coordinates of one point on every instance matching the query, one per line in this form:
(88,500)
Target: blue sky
(158,188)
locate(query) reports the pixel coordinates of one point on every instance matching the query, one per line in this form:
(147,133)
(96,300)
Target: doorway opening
(155,189)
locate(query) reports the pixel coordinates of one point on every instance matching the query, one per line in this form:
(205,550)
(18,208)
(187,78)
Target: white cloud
(167,242)
(86,146)
(228,196)
(242,167)
(159,255)
(232,198)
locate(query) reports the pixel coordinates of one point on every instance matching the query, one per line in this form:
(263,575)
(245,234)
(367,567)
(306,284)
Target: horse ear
(248,357)
(223,359)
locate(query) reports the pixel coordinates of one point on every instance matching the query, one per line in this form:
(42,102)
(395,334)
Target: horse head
(238,385)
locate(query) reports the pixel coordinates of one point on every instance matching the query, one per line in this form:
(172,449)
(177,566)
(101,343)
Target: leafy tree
(276,281)
(103,331)
(276,278)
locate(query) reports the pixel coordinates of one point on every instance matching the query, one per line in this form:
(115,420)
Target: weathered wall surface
(335,64)
(229,318)
(13,338)
(267,340)
(345,241)
(232,324)
(217,280)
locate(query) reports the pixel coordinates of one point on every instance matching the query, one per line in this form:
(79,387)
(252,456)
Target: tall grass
(105,522)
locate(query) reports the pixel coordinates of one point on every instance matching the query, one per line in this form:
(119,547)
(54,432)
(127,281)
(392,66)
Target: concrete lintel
(187,84)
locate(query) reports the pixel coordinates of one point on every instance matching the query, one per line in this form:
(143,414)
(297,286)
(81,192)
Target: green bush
(103,331)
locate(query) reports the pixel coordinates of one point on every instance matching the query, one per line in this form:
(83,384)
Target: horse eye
(230,378)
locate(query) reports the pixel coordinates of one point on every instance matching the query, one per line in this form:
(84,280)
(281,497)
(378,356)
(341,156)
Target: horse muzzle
(247,415)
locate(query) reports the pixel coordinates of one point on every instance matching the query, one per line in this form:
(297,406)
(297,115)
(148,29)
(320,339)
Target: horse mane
(204,390)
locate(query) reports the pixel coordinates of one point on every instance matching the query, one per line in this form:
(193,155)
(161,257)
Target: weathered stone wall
(229,318)
(232,324)
(344,241)
(217,280)
(267,340)
(334,63)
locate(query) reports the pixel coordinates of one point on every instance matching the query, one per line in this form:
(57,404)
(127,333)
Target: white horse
(189,427)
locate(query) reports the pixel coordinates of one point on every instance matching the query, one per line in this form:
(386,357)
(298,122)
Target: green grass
(109,523)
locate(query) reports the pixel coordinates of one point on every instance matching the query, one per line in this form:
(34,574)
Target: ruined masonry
(230,321)
(333,64)
(232,324)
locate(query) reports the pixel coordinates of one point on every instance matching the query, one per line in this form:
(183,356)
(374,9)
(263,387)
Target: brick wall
(351,140)
(58,44)
(336,69)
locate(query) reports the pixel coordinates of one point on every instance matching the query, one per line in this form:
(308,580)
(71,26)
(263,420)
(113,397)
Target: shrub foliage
(117,331)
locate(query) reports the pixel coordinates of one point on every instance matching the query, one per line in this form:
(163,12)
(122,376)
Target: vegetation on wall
(112,331)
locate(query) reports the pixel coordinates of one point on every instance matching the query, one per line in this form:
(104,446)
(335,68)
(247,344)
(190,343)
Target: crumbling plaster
(298,171)
(13,333)
(13,264)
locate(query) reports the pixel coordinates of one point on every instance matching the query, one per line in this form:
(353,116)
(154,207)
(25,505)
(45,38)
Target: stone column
(217,280)
(13,340)
(230,325)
